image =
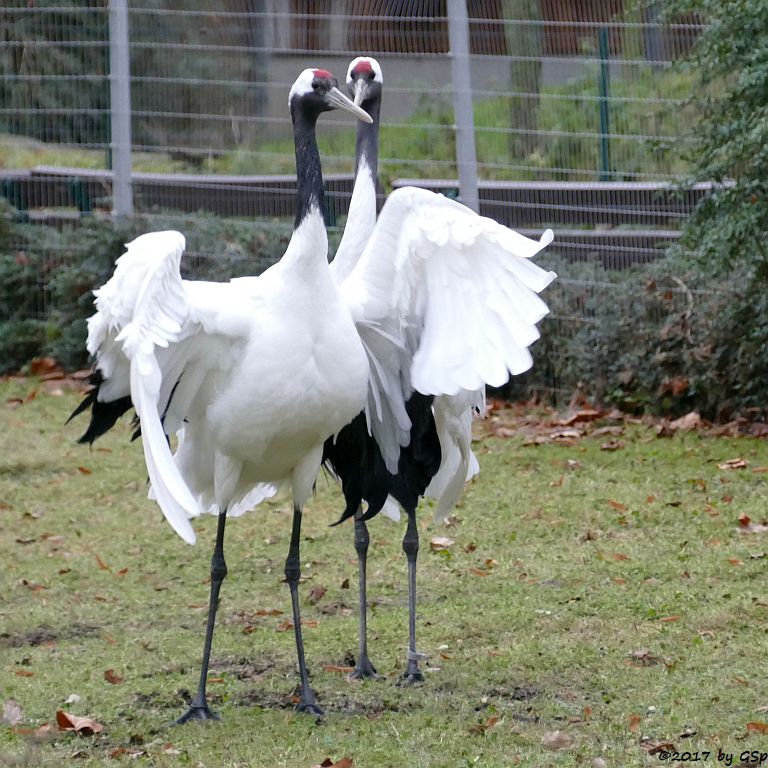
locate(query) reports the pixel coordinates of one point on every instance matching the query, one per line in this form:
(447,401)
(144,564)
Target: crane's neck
(309,176)
(367,144)
(361,218)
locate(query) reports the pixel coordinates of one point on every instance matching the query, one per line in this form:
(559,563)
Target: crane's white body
(253,375)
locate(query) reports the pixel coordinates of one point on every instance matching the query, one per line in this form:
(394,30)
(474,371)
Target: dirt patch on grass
(47,634)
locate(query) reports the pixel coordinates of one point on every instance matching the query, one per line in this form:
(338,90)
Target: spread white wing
(166,342)
(455,292)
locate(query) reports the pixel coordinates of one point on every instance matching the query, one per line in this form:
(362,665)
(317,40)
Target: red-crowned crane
(251,375)
(438,459)
(255,375)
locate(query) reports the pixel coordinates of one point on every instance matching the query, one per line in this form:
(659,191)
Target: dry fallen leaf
(480,729)
(112,677)
(316,595)
(342,670)
(440,543)
(634,722)
(734,464)
(747,526)
(652,746)
(758,727)
(686,423)
(12,713)
(643,658)
(557,740)
(617,505)
(82,726)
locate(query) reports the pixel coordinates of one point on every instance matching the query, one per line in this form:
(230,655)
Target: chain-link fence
(578,111)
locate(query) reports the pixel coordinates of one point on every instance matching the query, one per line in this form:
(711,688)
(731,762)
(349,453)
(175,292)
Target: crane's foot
(199,713)
(364,670)
(310,708)
(412,677)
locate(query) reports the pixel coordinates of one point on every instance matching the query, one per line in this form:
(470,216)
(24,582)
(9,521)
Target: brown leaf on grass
(12,713)
(734,464)
(580,416)
(85,471)
(284,626)
(480,729)
(316,595)
(557,740)
(342,670)
(747,526)
(23,673)
(617,505)
(758,727)
(686,423)
(634,722)
(653,746)
(112,677)
(440,543)
(132,753)
(102,565)
(614,429)
(82,726)
(643,658)
(31,585)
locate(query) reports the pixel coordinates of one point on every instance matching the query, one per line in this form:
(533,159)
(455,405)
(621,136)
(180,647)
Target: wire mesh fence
(579,112)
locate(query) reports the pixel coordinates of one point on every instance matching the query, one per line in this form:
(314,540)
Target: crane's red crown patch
(363,66)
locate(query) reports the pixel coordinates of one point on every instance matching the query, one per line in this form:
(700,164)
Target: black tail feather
(354,456)
(103,415)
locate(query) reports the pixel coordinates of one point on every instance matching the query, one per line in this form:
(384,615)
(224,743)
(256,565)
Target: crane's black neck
(367,143)
(309,175)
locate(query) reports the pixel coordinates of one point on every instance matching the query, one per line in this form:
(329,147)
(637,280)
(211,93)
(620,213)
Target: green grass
(605,594)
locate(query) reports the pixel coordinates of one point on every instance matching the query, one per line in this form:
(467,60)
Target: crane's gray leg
(412,673)
(198,709)
(307,702)
(363,667)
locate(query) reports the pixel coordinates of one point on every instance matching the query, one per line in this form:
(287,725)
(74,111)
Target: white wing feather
(456,289)
(140,310)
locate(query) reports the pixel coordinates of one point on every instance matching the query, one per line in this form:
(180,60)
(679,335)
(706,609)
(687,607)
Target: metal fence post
(466,154)
(120,109)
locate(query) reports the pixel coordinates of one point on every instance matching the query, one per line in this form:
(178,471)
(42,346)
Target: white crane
(253,376)
(439,458)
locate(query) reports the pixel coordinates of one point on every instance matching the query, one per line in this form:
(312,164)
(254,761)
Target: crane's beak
(338,100)
(361,86)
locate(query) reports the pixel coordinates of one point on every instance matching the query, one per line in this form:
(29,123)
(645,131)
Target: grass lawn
(599,599)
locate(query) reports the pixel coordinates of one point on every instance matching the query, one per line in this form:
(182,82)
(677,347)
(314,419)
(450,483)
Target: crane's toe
(310,708)
(199,713)
(364,670)
(412,677)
